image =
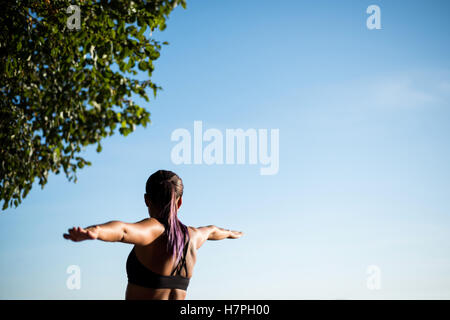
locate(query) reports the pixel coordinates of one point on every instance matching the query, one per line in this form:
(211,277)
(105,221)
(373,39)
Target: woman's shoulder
(192,231)
(194,235)
(151,222)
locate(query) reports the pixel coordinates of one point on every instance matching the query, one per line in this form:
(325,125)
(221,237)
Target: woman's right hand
(235,234)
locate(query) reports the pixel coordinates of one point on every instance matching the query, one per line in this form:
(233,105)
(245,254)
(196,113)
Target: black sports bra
(142,276)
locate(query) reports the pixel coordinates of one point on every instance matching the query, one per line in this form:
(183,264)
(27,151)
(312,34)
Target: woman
(163,257)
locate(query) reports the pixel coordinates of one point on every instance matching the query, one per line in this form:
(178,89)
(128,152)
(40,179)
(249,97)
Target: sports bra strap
(182,261)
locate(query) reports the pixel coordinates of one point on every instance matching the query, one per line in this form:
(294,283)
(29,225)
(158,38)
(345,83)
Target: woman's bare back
(156,258)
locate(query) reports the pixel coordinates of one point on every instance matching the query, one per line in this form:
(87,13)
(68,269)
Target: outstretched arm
(215,233)
(141,233)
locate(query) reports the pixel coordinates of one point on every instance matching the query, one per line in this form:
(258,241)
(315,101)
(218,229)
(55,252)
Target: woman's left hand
(79,234)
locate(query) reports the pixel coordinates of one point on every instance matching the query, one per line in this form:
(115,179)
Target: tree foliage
(63,89)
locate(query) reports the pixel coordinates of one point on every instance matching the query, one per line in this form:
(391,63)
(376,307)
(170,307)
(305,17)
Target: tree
(64,88)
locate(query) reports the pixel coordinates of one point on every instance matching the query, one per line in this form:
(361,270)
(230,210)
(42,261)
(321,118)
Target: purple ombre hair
(164,188)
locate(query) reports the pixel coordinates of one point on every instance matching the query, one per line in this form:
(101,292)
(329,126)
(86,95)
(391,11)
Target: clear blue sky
(364,173)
